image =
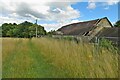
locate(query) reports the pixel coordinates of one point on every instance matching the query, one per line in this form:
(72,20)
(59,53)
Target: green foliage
(117,24)
(50,33)
(104,43)
(22,30)
(0,31)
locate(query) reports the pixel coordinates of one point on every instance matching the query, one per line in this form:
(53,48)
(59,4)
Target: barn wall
(102,24)
(96,30)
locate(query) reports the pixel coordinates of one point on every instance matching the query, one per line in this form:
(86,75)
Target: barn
(93,28)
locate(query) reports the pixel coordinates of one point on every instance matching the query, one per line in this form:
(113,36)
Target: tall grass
(14,57)
(46,57)
(21,59)
(0,58)
(80,60)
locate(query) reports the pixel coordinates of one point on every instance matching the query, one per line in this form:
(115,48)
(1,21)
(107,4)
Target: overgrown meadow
(56,58)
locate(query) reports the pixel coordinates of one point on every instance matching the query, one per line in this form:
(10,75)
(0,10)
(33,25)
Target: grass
(0,58)
(49,58)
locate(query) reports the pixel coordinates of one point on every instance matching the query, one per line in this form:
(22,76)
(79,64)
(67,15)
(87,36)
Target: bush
(105,43)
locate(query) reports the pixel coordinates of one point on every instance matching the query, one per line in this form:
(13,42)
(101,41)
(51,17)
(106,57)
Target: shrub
(105,43)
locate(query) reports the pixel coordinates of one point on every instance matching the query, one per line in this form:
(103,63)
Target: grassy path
(41,67)
(26,61)
(49,58)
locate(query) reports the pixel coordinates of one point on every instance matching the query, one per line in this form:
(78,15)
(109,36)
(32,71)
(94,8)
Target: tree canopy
(22,30)
(117,24)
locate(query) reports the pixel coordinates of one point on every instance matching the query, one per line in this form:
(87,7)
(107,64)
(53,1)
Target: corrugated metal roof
(108,32)
(78,28)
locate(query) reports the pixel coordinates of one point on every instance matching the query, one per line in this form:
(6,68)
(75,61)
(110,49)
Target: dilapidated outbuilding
(93,28)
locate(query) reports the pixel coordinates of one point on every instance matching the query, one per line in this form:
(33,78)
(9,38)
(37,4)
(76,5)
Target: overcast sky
(52,14)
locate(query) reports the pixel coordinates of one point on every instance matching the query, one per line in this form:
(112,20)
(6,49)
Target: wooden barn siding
(103,23)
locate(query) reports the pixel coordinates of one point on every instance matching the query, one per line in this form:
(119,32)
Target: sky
(53,14)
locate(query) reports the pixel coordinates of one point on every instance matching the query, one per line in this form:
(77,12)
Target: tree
(32,30)
(117,24)
(7,29)
(22,30)
(50,33)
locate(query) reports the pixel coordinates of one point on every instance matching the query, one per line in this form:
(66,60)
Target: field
(53,58)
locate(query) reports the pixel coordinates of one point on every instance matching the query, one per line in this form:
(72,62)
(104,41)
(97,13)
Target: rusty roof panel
(109,32)
(78,28)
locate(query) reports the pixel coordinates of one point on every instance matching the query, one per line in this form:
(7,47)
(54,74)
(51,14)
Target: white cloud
(52,10)
(91,5)
(112,2)
(56,26)
(39,9)
(11,20)
(75,21)
(49,27)
(62,14)
(109,2)
(13,11)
